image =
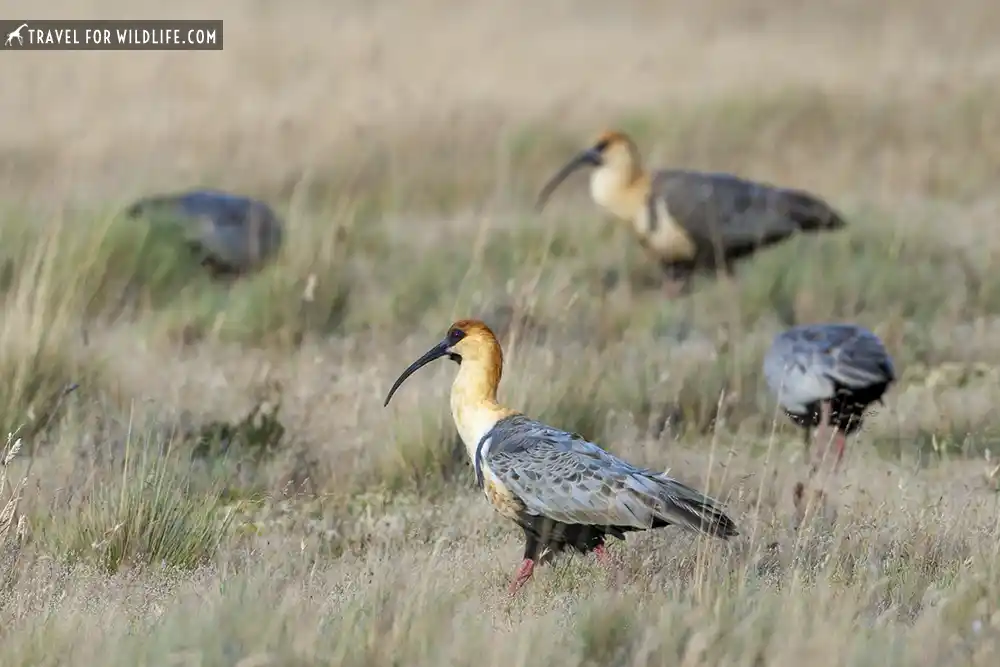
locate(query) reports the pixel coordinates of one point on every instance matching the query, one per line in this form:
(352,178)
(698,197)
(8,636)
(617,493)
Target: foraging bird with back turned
(232,234)
(563,491)
(826,376)
(692,221)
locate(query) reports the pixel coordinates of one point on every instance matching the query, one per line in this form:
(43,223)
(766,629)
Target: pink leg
(613,569)
(822,435)
(822,438)
(673,288)
(839,442)
(821,451)
(827,435)
(522,575)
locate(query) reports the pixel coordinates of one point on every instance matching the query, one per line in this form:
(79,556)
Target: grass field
(224,487)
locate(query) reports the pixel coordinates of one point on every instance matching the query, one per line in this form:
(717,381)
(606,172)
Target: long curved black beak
(588,158)
(436,352)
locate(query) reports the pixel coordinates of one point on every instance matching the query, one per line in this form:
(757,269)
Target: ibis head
(616,164)
(469,341)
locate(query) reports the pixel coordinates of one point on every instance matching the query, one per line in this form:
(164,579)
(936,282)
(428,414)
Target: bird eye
(455,335)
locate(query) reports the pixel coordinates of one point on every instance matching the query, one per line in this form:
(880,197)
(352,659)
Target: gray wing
(807,363)
(564,477)
(738,213)
(234,229)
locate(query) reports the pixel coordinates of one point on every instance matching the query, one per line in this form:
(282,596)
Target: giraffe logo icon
(15,34)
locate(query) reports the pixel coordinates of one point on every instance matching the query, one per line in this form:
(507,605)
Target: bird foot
(522,575)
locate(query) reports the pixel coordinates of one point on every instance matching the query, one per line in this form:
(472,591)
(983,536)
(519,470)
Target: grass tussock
(13,524)
(42,355)
(98,262)
(148,514)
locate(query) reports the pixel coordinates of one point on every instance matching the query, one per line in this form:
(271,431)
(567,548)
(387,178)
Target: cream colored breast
(664,236)
(609,192)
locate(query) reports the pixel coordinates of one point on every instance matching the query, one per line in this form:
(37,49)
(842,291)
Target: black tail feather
(812,214)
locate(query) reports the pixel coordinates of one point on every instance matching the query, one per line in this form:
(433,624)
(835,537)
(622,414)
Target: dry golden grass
(163,521)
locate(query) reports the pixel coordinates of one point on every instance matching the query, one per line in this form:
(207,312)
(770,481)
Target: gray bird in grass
(826,376)
(231,233)
(691,221)
(563,491)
